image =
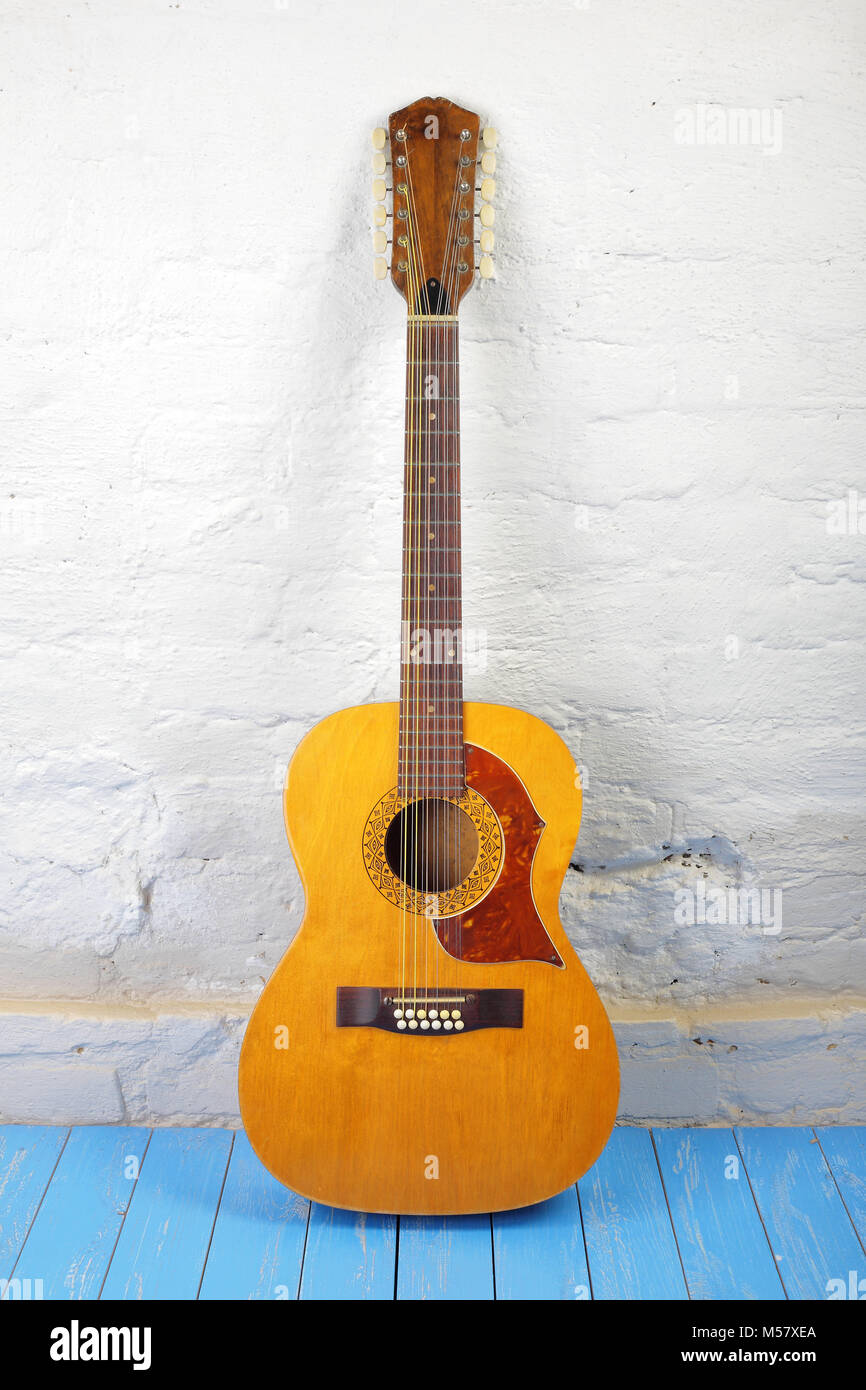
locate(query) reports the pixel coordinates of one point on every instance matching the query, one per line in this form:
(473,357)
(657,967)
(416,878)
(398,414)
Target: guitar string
(423,680)
(443,468)
(453,699)
(406,635)
(408,564)
(447,692)
(417,277)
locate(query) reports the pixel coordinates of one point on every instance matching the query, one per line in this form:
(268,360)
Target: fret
(441,762)
(419,757)
(420,790)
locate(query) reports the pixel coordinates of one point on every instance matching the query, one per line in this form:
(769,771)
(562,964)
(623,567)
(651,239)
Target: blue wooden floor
(106,1212)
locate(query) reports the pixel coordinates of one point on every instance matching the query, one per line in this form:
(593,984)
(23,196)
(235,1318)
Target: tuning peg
(488,162)
(490,137)
(380,215)
(379,190)
(379,162)
(488,190)
(485,267)
(380,268)
(487,215)
(380,242)
(487,239)
(379,137)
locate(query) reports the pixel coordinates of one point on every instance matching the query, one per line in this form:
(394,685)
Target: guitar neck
(431,758)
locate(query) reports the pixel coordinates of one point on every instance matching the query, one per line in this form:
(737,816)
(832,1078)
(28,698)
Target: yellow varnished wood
(352,1117)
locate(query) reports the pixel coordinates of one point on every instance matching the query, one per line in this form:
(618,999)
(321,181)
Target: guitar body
(347,1110)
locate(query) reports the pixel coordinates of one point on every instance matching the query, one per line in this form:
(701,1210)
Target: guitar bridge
(429,1012)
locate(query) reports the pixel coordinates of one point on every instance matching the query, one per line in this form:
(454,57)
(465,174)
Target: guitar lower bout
(430,1042)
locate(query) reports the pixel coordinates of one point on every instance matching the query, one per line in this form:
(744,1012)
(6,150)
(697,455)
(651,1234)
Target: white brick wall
(199,514)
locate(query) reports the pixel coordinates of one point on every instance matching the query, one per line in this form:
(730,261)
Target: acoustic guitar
(430,1042)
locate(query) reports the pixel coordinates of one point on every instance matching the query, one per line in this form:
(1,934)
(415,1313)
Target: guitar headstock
(436,167)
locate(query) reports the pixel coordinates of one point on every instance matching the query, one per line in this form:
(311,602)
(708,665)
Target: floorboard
(28,1156)
(445,1257)
(810,1232)
(722,1242)
(350,1255)
(257,1249)
(630,1245)
(164,1240)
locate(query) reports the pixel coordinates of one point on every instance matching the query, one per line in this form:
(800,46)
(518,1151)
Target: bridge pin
(398,1013)
(422,1013)
(455,1013)
(402,1023)
(443,1013)
(413,1023)
(447,1023)
(425,1023)
(410,1013)
(434,1013)
(435,1023)
(459,1023)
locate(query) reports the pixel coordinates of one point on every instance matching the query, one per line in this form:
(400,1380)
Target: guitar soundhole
(432,845)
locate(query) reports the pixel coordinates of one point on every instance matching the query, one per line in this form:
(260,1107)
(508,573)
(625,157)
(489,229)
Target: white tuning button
(487,239)
(487,215)
(379,190)
(380,242)
(485,268)
(488,190)
(380,216)
(379,137)
(490,137)
(380,268)
(488,162)
(379,163)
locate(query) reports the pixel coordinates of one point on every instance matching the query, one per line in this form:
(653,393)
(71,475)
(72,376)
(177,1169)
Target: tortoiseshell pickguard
(504,925)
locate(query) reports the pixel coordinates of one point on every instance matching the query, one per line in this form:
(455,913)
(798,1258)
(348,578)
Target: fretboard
(431,672)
